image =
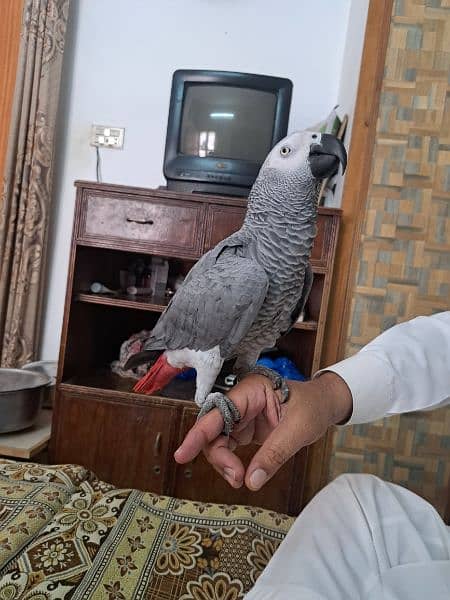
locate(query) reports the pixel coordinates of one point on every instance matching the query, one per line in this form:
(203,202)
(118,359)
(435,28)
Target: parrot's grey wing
(300,306)
(234,243)
(216,305)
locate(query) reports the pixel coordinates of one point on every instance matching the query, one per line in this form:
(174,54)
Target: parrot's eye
(285,150)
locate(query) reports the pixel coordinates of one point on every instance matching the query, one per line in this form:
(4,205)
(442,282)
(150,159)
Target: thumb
(309,413)
(284,441)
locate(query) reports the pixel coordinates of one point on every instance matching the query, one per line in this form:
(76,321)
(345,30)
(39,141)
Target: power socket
(107,136)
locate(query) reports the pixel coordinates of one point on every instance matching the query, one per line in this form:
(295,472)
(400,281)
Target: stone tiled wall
(404,262)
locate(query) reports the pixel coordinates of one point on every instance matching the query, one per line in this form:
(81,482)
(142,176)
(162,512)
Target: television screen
(227,122)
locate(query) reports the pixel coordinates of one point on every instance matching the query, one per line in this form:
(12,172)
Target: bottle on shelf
(160,273)
(128,276)
(139,270)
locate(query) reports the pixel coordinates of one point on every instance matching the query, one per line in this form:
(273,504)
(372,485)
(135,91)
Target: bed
(66,534)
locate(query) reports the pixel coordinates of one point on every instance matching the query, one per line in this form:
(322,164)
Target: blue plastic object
(283,366)
(187,375)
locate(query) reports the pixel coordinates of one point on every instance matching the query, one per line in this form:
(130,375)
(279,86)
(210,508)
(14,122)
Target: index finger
(199,436)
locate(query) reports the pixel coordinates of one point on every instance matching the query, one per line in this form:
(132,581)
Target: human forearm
(331,394)
(406,368)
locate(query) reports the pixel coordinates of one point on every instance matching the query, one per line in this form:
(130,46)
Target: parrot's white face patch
(292,152)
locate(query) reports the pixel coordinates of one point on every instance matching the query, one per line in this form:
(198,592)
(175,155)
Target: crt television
(221,127)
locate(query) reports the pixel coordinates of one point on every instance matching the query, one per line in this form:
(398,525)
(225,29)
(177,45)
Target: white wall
(348,85)
(351,62)
(119,60)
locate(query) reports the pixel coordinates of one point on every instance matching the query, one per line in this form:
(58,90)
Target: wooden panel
(125,444)
(222,221)
(198,480)
(322,243)
(299,346)
(447,505)
(10,26)
(160,192)
(170,227)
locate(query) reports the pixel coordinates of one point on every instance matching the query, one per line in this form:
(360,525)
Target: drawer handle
(188,473)
(157,444)
(142,221)
(156,469)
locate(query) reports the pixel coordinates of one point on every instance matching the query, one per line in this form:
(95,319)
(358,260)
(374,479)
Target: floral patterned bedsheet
(65,534)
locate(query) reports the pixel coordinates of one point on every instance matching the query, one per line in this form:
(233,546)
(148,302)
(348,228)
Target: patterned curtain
(25,205)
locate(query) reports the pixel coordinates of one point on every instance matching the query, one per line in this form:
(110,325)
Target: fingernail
(177,451)
(257,479)
(229,473)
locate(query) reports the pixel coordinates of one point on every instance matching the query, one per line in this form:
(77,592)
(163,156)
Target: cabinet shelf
(125,301)
(106,380)
(152,305)
(306,325)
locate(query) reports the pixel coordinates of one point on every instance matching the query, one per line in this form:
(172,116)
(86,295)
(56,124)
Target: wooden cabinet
(128,439)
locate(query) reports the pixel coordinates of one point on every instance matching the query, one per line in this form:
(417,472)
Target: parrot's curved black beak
(324,157)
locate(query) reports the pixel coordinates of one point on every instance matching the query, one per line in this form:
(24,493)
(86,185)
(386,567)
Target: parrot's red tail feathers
(158,377)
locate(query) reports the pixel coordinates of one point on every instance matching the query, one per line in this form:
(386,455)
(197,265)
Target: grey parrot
(242,295)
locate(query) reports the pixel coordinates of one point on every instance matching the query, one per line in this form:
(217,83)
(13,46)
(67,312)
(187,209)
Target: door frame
(10,28)
(354,203)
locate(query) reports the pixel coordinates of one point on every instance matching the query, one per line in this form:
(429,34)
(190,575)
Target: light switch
(107,136)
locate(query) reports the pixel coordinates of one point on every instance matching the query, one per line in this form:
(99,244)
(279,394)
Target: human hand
(260,409)
(283,430)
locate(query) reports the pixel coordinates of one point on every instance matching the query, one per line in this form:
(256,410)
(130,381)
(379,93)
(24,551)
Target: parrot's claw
(228,410)
(278,382)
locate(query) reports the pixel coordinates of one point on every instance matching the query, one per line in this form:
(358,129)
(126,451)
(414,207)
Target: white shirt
(360,537)
(404,369)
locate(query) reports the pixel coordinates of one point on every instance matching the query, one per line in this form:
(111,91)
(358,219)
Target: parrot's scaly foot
(278,382)
(228,410)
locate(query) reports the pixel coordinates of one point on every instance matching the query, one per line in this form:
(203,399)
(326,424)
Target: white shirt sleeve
(406,368)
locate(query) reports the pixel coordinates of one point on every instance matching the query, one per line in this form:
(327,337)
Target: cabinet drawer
(169,226)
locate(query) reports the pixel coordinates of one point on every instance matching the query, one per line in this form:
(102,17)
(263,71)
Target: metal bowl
(48,367)
(20,398)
